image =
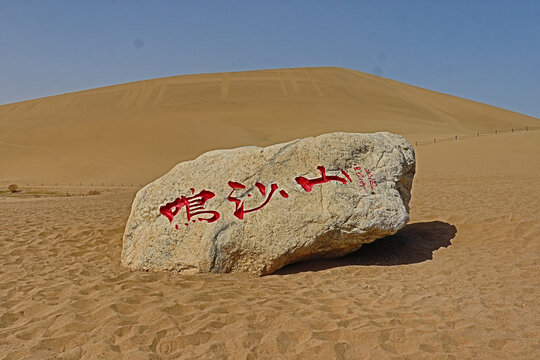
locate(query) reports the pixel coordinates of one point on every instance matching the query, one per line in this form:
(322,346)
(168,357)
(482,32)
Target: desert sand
(459,281)
(132,133)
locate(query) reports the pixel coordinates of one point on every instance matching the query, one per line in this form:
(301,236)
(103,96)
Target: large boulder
(254,209)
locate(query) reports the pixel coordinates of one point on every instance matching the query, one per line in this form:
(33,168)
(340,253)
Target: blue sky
(488,51)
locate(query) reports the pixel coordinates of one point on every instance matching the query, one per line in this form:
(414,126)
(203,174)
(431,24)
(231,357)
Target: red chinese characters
(372,181)
(194,207)
(307,184)
(195,204)
(358,172)
(239,204)
(371,178)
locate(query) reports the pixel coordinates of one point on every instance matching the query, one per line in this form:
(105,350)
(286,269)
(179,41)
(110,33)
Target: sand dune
(460,281)
(133,133)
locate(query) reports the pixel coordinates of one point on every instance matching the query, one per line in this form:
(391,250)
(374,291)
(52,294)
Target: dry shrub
(13,188)
(94,192)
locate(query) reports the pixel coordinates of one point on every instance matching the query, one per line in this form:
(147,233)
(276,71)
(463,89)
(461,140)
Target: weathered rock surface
(255,209)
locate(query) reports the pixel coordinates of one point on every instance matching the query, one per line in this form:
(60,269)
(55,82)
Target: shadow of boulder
(413,244)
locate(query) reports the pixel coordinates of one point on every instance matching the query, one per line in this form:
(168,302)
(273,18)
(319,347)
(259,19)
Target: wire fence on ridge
(456,137)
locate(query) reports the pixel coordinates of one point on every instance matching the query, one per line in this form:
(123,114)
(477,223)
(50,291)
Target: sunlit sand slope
(135,132)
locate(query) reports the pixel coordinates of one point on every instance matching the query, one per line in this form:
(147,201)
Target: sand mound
(134,133)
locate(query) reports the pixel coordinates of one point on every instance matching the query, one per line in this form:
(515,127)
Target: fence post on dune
(456,137)
(434,140)
(526,128)
(495,132)
(477,134)
(416,143)
(512,129)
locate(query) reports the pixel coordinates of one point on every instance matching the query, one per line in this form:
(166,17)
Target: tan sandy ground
(460,281)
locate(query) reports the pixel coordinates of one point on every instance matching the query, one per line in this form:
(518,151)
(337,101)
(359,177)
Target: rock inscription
(255,209)
(195,204)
